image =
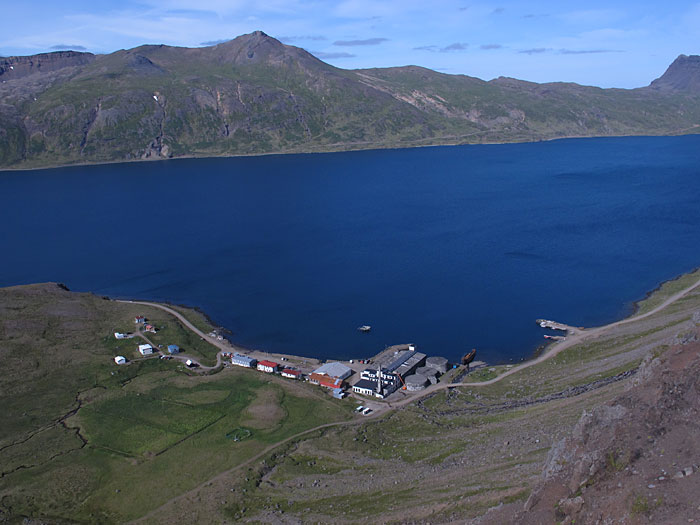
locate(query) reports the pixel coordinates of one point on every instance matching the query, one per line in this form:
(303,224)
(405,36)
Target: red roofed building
(267,366)
(327,381)
(291,373)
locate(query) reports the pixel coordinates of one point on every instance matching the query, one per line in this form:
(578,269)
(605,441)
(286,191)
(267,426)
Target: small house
(120,360)
(244,361)
(268,366)
(145,349)
(139,319)
(150,328)
(291,373)
(173,349)
(118,335)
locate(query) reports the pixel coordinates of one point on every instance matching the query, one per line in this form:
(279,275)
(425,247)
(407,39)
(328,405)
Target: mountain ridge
(254,95)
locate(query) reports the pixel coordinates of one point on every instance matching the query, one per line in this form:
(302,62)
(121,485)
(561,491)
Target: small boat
(469,357)
(364,328)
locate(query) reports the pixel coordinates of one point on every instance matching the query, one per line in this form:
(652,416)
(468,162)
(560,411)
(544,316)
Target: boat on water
(364,328)
(469,357)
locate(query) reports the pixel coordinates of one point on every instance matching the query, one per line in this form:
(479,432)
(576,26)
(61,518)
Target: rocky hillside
(681,76)
(632,460)
(19,67)
(255,95)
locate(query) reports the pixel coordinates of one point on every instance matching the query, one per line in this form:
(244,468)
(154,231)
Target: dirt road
(575,338)
(183,357)
(554,350)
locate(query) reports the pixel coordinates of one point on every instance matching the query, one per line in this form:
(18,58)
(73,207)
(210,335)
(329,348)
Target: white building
(268,366)
(365,387)
(291,373)
(120,360)
(146,349)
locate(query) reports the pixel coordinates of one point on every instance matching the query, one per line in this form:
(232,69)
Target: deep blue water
(449,247)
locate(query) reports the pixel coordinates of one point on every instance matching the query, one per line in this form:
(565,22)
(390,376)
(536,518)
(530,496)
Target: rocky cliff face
(12,68)
(683,75)
(634,460)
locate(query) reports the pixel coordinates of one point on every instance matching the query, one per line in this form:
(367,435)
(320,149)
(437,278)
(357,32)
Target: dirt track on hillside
(557,348)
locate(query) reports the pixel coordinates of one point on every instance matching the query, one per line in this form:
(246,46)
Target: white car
(359,409)
(367,411)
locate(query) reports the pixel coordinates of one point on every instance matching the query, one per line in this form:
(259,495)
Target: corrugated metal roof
(243,360)
(334,370)
(400,359)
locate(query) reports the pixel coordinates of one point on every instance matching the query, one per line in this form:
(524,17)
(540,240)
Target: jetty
(553,325)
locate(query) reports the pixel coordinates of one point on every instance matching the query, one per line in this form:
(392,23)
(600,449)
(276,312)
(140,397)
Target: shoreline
(331,149)
(537,353)
(636,305)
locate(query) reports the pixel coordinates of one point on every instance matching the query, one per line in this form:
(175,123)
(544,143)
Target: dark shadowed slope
(683,75)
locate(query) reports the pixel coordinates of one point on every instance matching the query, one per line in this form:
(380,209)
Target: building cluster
(330,375)
(409,369)
(144,349)
(402,369)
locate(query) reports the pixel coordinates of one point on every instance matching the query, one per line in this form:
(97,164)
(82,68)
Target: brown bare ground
(265,411)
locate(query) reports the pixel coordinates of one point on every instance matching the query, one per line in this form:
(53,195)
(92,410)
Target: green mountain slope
(255,95)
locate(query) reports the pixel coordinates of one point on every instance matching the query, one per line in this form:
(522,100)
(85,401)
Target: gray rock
(571,506)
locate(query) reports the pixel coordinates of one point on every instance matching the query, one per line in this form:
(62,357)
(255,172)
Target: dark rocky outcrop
(17,67)
(633,460)
(682,75)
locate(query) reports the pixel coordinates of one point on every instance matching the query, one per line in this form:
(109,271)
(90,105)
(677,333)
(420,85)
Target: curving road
(554,350)
(577,337)
(182,357)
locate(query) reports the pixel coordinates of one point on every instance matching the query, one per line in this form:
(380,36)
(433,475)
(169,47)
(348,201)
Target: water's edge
(540,349)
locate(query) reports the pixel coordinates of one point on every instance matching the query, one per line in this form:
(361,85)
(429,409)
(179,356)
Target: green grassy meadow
(85,440)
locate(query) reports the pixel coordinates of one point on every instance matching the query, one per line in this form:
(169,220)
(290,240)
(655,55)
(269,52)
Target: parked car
(367,411)
(359,409)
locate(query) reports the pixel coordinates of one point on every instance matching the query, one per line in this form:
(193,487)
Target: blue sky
(604,43)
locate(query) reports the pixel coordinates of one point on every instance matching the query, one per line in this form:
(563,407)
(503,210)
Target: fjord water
(448,247)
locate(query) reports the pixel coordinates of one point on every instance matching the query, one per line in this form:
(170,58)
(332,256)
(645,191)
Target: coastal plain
(83,439)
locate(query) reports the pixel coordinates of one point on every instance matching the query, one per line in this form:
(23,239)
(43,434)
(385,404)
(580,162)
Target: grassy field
(84,439)
(449,457)
(666,290)
(170,331)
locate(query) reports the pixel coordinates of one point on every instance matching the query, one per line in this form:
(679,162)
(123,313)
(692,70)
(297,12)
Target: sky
(614,43)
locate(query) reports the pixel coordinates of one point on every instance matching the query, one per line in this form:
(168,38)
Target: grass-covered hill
(83,440)
(254,95)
